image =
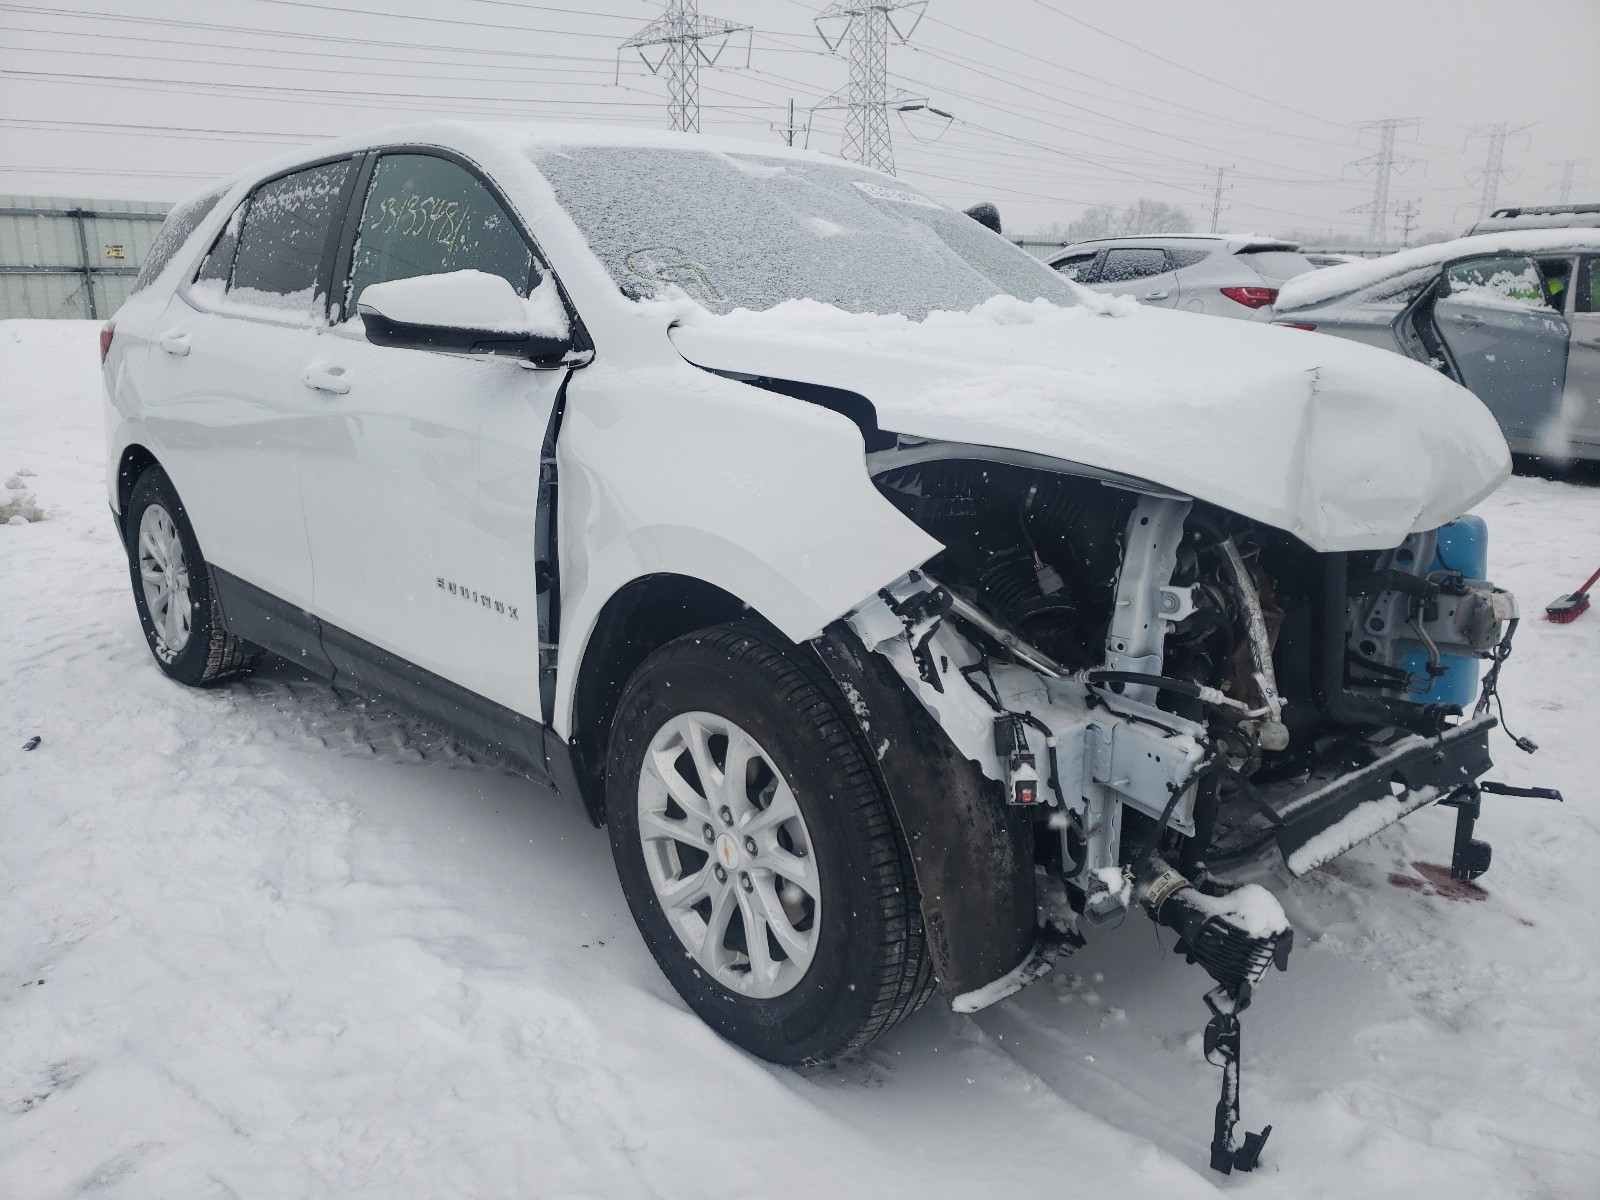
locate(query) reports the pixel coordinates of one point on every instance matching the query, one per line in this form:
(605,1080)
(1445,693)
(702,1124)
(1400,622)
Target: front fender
(972,853)
(763,496)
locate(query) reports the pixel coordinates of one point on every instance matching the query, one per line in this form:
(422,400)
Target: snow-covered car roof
(513,139)
(1332,282)
(1233,243)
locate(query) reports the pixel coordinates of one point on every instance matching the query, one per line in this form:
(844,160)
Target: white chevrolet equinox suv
(903,610)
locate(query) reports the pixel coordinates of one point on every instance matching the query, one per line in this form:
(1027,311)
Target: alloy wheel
(729,856)
(164,574)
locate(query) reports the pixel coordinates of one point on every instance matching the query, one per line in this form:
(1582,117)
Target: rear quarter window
(176,230)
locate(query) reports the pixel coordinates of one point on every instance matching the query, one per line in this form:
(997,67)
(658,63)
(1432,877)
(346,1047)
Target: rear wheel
(178,609)
(758,852)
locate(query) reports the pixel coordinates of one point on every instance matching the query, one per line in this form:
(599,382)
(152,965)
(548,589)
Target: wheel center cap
(727,852)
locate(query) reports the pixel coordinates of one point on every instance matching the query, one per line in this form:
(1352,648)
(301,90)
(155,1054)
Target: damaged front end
(1153,693)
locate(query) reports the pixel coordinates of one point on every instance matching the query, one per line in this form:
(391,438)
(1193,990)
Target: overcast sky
(1058,104)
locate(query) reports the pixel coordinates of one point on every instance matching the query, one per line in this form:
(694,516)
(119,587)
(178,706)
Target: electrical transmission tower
(1408,213)
(867,28)
(1216,194)
(1494,168)
(1568,166)
(1382,166)
(679,39)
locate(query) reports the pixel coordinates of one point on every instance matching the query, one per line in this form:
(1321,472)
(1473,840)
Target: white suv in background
(1226,275)
(837,555)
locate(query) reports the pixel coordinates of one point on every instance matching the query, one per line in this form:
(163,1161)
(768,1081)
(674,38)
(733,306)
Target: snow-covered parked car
(1514,316)
(878,588)
(1225,275)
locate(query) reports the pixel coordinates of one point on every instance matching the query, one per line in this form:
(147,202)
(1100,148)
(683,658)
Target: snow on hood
(1345,446)
(1318,286)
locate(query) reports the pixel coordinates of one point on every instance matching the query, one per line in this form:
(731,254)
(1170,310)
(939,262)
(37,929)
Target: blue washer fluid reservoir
(1464,547)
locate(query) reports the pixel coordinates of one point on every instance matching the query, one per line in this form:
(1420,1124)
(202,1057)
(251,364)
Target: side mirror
(466,312)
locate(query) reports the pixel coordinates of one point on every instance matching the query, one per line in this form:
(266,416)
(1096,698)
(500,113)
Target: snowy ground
(266,942)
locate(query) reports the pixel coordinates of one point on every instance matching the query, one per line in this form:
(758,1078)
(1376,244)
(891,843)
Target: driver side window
(426,215)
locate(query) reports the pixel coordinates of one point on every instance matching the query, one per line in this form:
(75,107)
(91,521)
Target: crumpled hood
(1345,446)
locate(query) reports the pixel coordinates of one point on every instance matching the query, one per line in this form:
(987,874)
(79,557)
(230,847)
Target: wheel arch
(133,462)
(636,620)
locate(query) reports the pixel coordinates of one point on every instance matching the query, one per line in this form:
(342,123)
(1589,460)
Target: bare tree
(1144,216)
(1154,216)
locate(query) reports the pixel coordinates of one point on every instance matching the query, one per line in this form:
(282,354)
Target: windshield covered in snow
(748,231)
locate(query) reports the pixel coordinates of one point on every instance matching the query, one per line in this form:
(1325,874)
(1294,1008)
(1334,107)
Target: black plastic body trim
(479,724)
(271,623)
(972,853)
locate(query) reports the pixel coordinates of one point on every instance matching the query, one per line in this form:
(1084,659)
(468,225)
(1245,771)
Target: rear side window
(1187,258)
(1124,265)
(425,215)
(268,257)
(1500,281)
(180,224)
(1078,266)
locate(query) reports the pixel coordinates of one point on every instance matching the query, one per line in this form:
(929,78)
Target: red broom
(1572,606)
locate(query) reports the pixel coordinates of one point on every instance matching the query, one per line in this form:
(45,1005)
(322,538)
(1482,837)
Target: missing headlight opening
(1173,691)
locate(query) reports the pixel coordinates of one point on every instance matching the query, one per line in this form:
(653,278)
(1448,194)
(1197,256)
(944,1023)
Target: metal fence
(72,258)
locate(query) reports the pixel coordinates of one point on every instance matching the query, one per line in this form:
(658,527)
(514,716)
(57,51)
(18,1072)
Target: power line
(1116,121)
(172,45)
(343,71)
(1183,67)
(1172,110)
(171,23)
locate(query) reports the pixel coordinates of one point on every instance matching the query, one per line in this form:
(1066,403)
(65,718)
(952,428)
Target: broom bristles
(1567,608)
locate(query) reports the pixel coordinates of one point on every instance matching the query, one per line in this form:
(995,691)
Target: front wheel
(758,852)
(178,608)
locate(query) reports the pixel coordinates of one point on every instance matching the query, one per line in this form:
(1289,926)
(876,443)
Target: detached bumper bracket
(1325,823)
(1470,857)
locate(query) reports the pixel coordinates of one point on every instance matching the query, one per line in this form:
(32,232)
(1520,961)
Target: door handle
(174,341)
(333,380)
(1155,295)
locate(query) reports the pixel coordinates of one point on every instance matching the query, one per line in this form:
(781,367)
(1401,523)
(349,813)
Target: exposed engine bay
(1174,691)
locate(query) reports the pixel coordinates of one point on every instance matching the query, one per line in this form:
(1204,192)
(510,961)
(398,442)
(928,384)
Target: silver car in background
(1226,275)
(1543,216)
(1514,317)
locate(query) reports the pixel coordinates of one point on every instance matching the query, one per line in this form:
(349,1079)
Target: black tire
(871,967)
(211,655)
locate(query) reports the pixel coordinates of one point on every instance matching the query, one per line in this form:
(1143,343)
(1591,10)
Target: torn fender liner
(1324,823)
(972,853)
